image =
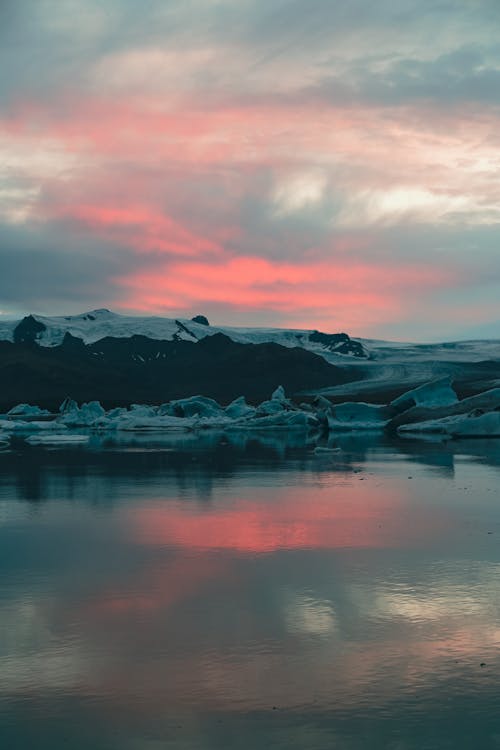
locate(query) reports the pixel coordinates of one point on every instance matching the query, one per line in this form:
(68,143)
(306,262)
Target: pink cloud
(229,189)
(141,227)
(341,291)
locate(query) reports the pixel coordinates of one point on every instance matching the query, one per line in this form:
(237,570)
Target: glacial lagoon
(232,591)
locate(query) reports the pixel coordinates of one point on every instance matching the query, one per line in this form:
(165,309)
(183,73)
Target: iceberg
(359,416)
(285,420)
(239,409)
(486,401)
(200,406)
(480,425)
(26,410)
(84,416)
(8,425)
(267,408)
(132,423)
(474,424)
(143,410)
(279,395)
(434,394)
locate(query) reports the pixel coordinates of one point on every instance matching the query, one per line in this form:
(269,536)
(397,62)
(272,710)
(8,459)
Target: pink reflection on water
(359,515)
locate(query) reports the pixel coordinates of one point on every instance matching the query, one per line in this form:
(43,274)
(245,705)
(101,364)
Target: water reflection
(250,594)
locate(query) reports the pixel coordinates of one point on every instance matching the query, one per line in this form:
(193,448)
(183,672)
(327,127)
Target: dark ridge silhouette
(120,371)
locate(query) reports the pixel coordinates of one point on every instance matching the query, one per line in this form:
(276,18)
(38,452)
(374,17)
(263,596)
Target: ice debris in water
(435,404)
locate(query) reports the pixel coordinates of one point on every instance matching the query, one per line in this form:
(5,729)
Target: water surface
(246,593)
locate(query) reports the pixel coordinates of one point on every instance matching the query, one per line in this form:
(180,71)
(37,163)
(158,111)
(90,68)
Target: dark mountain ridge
(121,371)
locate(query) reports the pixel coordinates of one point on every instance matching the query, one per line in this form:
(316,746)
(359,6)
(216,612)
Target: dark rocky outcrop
(201,319)
(340,343)
(28,329)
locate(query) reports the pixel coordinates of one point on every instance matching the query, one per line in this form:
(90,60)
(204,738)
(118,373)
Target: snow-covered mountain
(374,366)
(98,324)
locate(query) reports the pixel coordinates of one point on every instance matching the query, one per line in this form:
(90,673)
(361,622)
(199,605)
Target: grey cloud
(462,77)
(47,269)
(47,47)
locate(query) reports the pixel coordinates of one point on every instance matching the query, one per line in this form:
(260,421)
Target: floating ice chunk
(434,394)
(267,408)
(34,426)
(239,408)
(166,410)
(201,406)
(26,410)
(358,416)
(279,394)
(203,423)
(486,401)
(143,410)
(153,424)
(117,412)
(284,420)
(482,425)
(68,405)
(84,416)
(8,425)
(474,424)
(303,406)
(320,402)
(429,426)
(57,439)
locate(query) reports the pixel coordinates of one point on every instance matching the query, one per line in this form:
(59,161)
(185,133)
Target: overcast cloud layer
(320,164)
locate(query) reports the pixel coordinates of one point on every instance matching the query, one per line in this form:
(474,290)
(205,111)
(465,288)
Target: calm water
(250,594)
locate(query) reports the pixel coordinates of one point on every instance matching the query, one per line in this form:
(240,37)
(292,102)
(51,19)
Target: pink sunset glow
(252,179)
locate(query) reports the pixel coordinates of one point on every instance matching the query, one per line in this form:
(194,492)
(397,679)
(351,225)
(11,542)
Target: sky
(330,164)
